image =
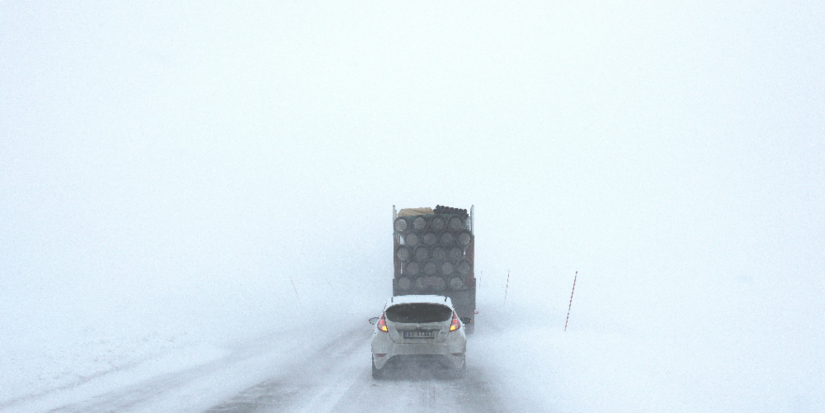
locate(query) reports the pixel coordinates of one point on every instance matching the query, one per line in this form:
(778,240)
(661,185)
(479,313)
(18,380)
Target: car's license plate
(419,334)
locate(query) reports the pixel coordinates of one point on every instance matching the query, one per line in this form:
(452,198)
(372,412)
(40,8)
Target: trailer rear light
(380,354)
(382,323)
(454,325)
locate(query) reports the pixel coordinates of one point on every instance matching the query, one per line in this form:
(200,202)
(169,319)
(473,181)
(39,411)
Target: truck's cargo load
(430,238)
(401,224)
(412,268)
(456,253)
(464,238)
(422,254)
(430,268)
(434,254)
(447,268)
(411,212)
(445,210)
(437,224)
(412,240)
(464,267)
(456,223)
(404,283)
(447,239)
(419,223)
(403,253)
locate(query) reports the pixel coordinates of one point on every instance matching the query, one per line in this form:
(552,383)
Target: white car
(419,326)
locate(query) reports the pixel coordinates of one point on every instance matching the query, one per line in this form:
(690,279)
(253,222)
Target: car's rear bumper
(404,361)
(452,353)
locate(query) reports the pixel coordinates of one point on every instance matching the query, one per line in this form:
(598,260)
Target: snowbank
(599,366)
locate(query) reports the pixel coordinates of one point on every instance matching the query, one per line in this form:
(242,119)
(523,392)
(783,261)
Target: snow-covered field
(35,366)
(612,357)
(625,369)
(50,360)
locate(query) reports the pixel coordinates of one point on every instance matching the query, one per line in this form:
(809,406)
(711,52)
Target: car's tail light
(382,324)
(454,325)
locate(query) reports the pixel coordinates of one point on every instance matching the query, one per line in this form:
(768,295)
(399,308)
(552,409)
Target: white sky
(164,156)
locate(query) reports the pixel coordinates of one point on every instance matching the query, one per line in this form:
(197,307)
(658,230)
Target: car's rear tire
(377,374)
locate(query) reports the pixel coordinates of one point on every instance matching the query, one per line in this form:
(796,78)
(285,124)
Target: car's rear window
(418,313)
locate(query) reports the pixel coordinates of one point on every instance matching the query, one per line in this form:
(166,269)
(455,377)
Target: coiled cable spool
(438,224)
(456,223)
(464,267)
(447,268)
(447,239)
(403,253)
(412,239)
(455,254)
(464,238)
(411,268)
(430,268)
(404,283)
(419,223)
(401,225)
(421,254)
(430,238)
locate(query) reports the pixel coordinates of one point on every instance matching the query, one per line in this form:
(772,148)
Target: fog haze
(221,168)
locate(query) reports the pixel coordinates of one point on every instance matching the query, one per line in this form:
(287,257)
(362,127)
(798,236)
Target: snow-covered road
(283,372)
(337,379)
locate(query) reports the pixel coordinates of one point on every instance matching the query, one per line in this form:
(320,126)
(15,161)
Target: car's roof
(407,299)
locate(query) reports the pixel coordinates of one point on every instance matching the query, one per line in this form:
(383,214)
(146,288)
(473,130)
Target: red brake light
(455,324)
(382,324)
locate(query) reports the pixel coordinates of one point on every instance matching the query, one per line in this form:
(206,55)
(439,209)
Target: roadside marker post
(296,291)
(506,286)
(571,301)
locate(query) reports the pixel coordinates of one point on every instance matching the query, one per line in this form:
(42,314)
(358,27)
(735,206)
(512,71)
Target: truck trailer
(434,253)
